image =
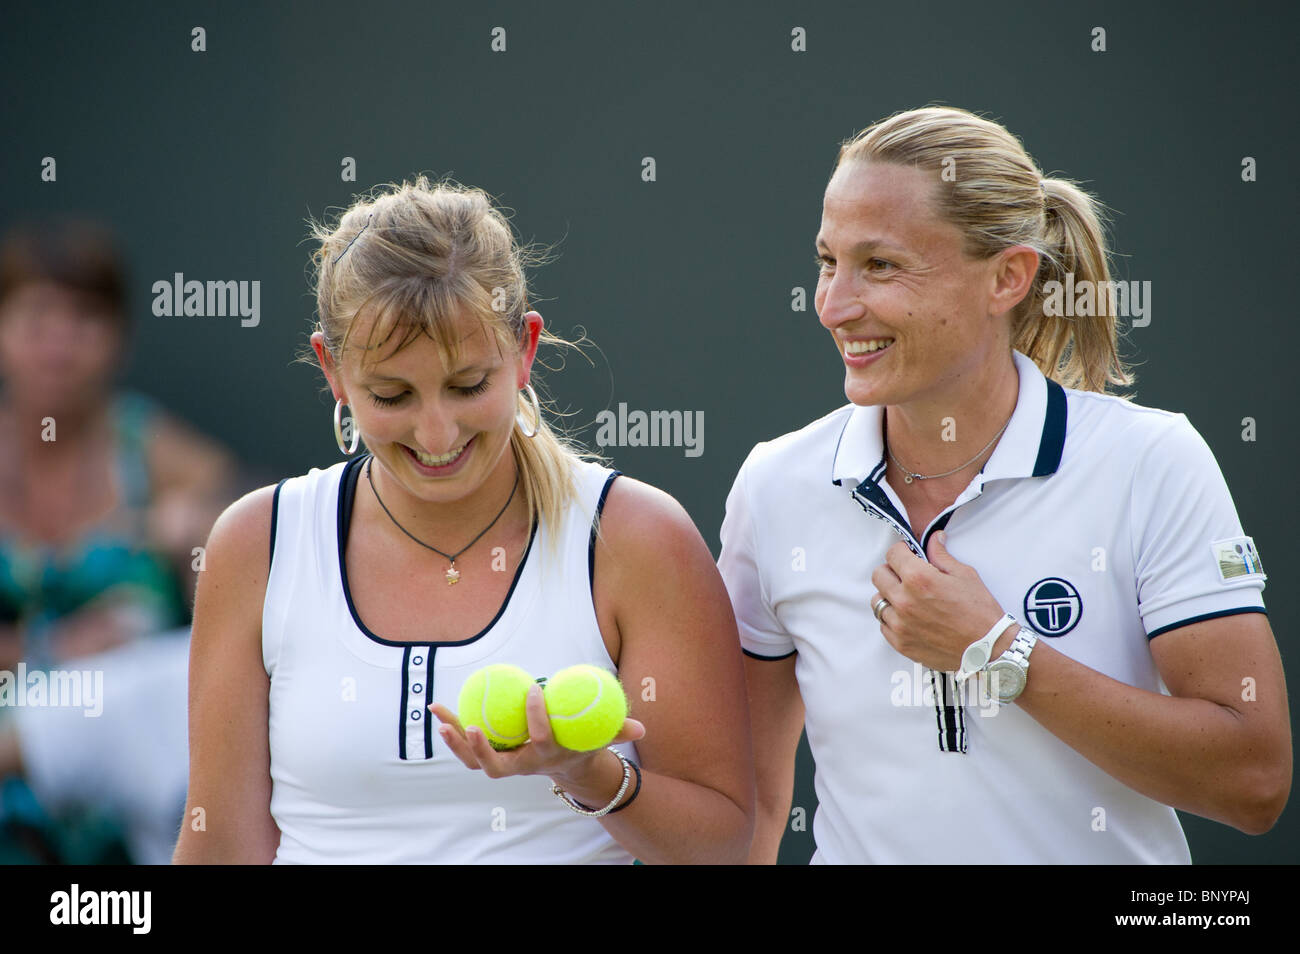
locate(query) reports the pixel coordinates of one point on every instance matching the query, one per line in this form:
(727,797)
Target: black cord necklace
(453,574)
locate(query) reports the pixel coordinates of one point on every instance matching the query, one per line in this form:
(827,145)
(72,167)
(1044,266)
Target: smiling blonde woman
(1014,613)
(469,534)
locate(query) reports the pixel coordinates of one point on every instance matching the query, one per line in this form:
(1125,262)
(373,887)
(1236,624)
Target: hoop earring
(531,395)
(338,431)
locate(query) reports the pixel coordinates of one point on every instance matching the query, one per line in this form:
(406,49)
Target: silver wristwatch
(1008,673)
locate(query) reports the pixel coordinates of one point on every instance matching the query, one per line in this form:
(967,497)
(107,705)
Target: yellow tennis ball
(586,706)
(494,698)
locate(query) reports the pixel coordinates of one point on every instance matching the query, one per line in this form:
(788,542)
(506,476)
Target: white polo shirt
(1099,523)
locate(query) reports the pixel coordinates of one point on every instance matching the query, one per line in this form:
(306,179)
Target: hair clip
(354,238)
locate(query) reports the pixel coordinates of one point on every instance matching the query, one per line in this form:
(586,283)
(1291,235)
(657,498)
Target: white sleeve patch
(1236,557)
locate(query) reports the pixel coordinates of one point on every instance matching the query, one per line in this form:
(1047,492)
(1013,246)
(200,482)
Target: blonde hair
(994,197)
(419,255)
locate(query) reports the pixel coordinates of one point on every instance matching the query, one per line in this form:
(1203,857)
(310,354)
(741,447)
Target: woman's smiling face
(892,271)
(411,404)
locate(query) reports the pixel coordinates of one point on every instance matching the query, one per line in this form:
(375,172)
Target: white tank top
(359,773)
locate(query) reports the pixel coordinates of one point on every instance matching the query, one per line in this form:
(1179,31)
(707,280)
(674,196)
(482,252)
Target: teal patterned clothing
(40,583)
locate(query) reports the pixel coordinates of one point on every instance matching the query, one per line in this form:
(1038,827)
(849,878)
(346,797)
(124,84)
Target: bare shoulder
(640,521)
(652,562)
(236,566)
(677,638)
(241,537)
(231,588)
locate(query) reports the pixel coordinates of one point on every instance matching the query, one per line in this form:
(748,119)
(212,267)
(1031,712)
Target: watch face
(1006,681)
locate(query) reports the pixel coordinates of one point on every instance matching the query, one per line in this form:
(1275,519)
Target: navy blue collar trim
(870,490)
(1052,444)
(878,474)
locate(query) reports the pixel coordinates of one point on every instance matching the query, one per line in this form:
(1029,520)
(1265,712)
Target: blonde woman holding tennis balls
(465,537)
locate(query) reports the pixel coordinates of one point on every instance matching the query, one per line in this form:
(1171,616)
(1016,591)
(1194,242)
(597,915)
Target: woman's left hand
(935,609)
(540,755)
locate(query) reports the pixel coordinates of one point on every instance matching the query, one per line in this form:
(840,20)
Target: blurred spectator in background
(108,788)
(103,498)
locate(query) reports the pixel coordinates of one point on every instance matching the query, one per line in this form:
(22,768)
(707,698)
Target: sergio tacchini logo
(1053,606)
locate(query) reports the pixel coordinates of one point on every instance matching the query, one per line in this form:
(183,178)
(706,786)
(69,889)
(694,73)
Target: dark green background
(210,162)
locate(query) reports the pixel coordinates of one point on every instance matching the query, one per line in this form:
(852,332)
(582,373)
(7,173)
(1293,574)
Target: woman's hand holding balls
(540,753)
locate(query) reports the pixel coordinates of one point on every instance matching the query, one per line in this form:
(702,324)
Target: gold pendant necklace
(453,574)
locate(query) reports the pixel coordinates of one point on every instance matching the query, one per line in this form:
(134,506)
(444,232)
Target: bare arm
(776,717)
(1220,747)
(678,637)
(228,809)
(678,657)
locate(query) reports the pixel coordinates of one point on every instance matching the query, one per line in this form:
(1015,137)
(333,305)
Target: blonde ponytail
(996,196)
